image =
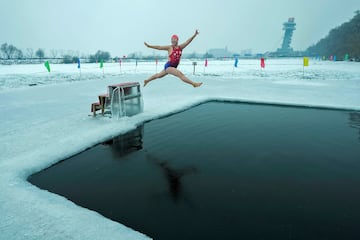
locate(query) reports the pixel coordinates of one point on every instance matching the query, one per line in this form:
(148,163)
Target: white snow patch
(46,123)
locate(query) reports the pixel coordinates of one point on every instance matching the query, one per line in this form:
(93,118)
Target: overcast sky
(121,26)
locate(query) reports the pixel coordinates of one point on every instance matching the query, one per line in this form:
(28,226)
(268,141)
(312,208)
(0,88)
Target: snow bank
(49,122)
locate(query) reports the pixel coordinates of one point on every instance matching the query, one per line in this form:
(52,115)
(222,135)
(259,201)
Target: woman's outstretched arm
(156,47)
(187,42)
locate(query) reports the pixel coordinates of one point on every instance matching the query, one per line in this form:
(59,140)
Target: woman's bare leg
(179,74)
(155,76)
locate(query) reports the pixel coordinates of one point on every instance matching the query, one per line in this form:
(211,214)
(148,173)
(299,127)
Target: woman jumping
(174,52)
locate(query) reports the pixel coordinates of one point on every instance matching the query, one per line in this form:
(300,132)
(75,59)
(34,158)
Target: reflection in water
(132,141)
(354,121)
(125,144)
(173,176)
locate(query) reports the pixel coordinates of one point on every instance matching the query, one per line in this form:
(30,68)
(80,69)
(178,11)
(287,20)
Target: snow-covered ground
(48,122)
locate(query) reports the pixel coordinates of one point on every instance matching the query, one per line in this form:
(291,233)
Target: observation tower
(289,28)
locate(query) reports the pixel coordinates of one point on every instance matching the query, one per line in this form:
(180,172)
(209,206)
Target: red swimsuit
(174,57)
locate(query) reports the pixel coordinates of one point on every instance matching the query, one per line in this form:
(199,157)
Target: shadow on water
(224,171)
(173,176)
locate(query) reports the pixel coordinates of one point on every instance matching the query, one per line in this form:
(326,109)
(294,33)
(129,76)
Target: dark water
(225,171)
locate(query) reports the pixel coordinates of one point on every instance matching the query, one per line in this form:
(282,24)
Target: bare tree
(10,51)
(40,53)
(54,53)
(19,54)
(5,50)
(29,52)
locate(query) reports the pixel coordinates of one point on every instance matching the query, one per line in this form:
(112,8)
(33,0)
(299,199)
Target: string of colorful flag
(262,63)
(206,63)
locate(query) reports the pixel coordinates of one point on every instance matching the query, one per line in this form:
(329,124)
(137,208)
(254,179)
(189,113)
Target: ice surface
(46,123)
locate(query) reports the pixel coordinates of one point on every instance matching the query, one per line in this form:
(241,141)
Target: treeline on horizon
(10,52)
(341,41)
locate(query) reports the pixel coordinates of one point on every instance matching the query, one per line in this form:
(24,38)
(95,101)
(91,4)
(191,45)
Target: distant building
(286,50)
(246,52)
(220,52)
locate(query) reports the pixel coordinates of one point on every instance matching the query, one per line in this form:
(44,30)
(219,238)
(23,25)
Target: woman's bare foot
(197,84)
(146,82)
